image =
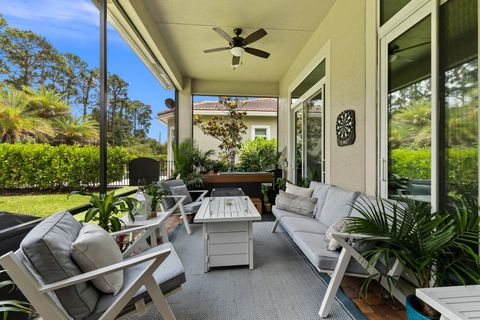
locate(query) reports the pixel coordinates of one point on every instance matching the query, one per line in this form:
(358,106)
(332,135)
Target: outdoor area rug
(283,284)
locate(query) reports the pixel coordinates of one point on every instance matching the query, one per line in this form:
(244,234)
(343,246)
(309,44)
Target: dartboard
(346,128)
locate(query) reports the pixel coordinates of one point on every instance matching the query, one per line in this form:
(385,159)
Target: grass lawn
(46,204)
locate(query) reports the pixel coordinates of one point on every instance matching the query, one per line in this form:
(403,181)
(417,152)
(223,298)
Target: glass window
(388,8)
(313,77)
(314,136)
(298,144)
(261,132)
(458,112)
(409,113)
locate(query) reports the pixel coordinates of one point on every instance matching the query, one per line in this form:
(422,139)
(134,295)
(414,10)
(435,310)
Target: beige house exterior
(261,120)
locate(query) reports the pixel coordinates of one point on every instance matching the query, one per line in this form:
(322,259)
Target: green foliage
(434,246)
(184,160)
(7,306)
(416,164)
(155,192)
(258,155)
(107,209)
(42,166)
(75,130)
(229,130)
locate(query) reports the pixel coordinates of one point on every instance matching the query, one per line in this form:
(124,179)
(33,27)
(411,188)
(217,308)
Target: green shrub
(258,155)
(43,166)
(416,164)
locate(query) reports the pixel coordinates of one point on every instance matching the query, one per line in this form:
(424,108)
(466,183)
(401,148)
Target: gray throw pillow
(296,204)
(181,191)
(47,249)
(94,249)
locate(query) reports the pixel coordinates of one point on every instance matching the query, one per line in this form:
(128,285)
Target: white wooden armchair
(148,277)
(348,252)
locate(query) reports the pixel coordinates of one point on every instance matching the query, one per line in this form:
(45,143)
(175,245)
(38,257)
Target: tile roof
(259,104)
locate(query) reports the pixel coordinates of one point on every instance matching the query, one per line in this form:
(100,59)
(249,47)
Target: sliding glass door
(429,129)
(309,130)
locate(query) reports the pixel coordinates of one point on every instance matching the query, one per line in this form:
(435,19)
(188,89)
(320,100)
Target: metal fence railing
(166,171)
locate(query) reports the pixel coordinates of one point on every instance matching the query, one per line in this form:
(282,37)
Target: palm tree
(46,103)
(75,130)
(17,123)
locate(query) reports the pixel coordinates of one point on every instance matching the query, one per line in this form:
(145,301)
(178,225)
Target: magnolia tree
(228,129)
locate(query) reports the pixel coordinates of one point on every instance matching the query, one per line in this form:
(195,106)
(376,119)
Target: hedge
(43,166)
(416,164)
(258,155)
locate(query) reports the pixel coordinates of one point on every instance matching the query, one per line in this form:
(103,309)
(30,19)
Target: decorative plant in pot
(436,247)
(107,209)
(184,156)
(265,189)
(154,194)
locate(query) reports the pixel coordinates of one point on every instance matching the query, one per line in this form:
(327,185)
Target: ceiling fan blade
(235,61)
(216,49)
(222,34)
(258,52)
(257,35)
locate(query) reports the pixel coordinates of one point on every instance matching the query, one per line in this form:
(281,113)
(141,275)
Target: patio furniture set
(59,284)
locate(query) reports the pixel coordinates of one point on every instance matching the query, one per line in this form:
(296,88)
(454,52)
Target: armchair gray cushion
(47,249)
(182,191)
(167,185)
(170,275)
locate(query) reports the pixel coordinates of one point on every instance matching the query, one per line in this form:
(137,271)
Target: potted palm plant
(440,248)
(106,209)
(14,306)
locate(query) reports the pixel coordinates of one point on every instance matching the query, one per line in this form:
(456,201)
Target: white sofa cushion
(338,205)
(319,192)
(94,249)
(299,191)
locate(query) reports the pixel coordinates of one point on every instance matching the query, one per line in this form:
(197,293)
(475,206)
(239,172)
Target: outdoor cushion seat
(192,207)
(298,224)
(47,249)
(320,192)
(313,245)
(279,214)
(167,185)
(170,276)
(338,205)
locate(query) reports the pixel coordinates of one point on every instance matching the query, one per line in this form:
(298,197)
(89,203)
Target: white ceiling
(187,27)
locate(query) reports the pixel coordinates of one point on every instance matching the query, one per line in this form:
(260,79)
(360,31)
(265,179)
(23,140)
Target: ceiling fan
(395,50)
(238,44)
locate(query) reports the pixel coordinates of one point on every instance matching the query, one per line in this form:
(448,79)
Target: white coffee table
(227,231)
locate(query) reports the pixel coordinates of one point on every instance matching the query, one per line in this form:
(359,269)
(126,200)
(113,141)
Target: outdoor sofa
(309,235)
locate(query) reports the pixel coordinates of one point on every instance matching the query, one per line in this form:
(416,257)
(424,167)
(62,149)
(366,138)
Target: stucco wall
(344,28)
(206,142)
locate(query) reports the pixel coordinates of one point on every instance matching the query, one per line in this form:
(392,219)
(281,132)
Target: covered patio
(377,105)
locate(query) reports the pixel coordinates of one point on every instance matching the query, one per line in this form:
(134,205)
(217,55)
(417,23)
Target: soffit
(187,28)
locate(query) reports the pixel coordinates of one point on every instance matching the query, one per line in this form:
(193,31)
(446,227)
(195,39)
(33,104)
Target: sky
(73,26)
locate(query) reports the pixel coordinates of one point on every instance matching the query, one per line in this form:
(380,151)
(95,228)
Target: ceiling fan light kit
(238,45)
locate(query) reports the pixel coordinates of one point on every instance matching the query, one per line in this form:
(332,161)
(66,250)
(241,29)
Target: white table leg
(205,248)
(335,281)
(250,244)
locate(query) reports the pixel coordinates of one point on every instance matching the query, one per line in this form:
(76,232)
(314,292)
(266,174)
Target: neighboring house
(261,121)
